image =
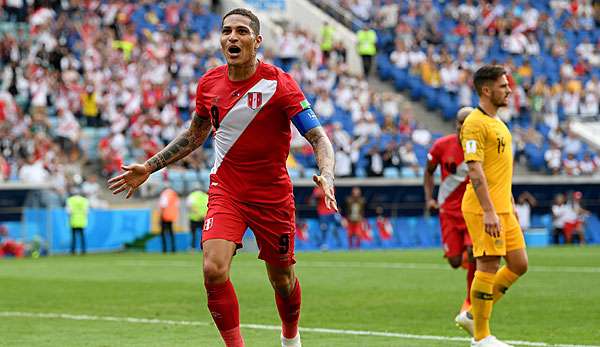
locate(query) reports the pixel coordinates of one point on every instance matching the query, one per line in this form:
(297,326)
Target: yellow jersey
(487,140)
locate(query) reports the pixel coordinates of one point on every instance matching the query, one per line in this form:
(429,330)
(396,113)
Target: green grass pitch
(412,294)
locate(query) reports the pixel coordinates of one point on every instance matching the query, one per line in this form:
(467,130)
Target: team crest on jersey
(254,100)
(208,224)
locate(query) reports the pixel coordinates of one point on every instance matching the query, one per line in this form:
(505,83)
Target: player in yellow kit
(488,205)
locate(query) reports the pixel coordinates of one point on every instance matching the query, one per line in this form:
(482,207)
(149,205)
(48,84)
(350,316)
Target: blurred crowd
(124,72)
(109,82)
(551,50)
(370,131)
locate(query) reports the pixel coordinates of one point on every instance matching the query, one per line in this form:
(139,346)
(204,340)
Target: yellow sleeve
(473,140)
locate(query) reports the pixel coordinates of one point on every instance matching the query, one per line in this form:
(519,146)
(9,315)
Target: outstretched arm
(325,161)
(182,145)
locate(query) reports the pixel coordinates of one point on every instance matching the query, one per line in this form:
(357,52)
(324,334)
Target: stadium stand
(431,49)
(88,88)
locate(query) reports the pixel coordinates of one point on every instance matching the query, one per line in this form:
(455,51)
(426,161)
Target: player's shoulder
(476,119)
(273,72)
(444,140)
(214,75)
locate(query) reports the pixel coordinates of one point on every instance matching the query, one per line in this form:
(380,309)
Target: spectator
(324,107)
(409,157)
(400,55)
(588,105)
(587,166)
(4,169)
(343,163)
(572,144)
(571,165)
(375,163)
(561,214)
(33,172)
(89,102)
(553,157)
(91,190)
(421,135)
(523,209)
(577,225)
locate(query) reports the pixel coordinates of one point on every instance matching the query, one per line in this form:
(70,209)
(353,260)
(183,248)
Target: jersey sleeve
(473,140)
(292,100)
(434,153)
(201,109)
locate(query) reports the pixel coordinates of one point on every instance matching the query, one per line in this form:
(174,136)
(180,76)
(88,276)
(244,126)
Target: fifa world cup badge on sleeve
(471,146)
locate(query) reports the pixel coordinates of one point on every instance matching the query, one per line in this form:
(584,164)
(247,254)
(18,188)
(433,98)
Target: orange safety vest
(169,205)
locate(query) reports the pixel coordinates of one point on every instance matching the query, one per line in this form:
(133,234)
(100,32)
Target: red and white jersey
(251,119)
(447,152)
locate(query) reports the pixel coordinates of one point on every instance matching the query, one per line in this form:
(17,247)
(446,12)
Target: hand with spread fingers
(326,183)
(130,180)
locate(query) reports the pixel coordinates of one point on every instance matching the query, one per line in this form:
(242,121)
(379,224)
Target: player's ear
(259,39)
(485,90)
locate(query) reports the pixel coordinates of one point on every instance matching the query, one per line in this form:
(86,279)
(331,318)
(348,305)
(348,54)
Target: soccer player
(447,152)
(488,204)
(250,105)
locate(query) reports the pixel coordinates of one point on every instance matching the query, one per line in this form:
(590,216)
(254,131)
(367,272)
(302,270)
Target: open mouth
(234,50)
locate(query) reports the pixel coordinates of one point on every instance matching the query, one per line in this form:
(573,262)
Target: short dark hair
(487,74)
(254,22)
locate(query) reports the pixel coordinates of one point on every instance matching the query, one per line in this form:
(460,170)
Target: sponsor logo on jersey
(254,100)
(471,146)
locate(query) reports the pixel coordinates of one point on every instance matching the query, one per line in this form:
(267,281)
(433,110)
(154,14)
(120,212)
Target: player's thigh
(453,235)
(513,234)
(274,228)
(516,256)
(483,243)
(224,220)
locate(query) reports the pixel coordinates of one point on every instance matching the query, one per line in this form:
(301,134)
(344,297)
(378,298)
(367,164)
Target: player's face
(239,43)
(500,92)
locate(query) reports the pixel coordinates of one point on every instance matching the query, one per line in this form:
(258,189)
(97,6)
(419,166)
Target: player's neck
(488,108)
(242,72)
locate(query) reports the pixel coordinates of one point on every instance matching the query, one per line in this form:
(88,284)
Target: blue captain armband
(305,120)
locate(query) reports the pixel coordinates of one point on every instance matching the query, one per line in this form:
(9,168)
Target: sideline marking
(264,327)
(365,265)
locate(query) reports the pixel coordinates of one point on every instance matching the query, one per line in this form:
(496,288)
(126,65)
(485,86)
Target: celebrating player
(488,204)
(447,152)
(249,104)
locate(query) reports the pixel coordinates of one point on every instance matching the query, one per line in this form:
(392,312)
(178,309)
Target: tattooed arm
(480,186)
(184,144)
(325,161)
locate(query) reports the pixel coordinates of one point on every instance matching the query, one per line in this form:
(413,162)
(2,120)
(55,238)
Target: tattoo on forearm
(183,145)
(476,183)
(323,151)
